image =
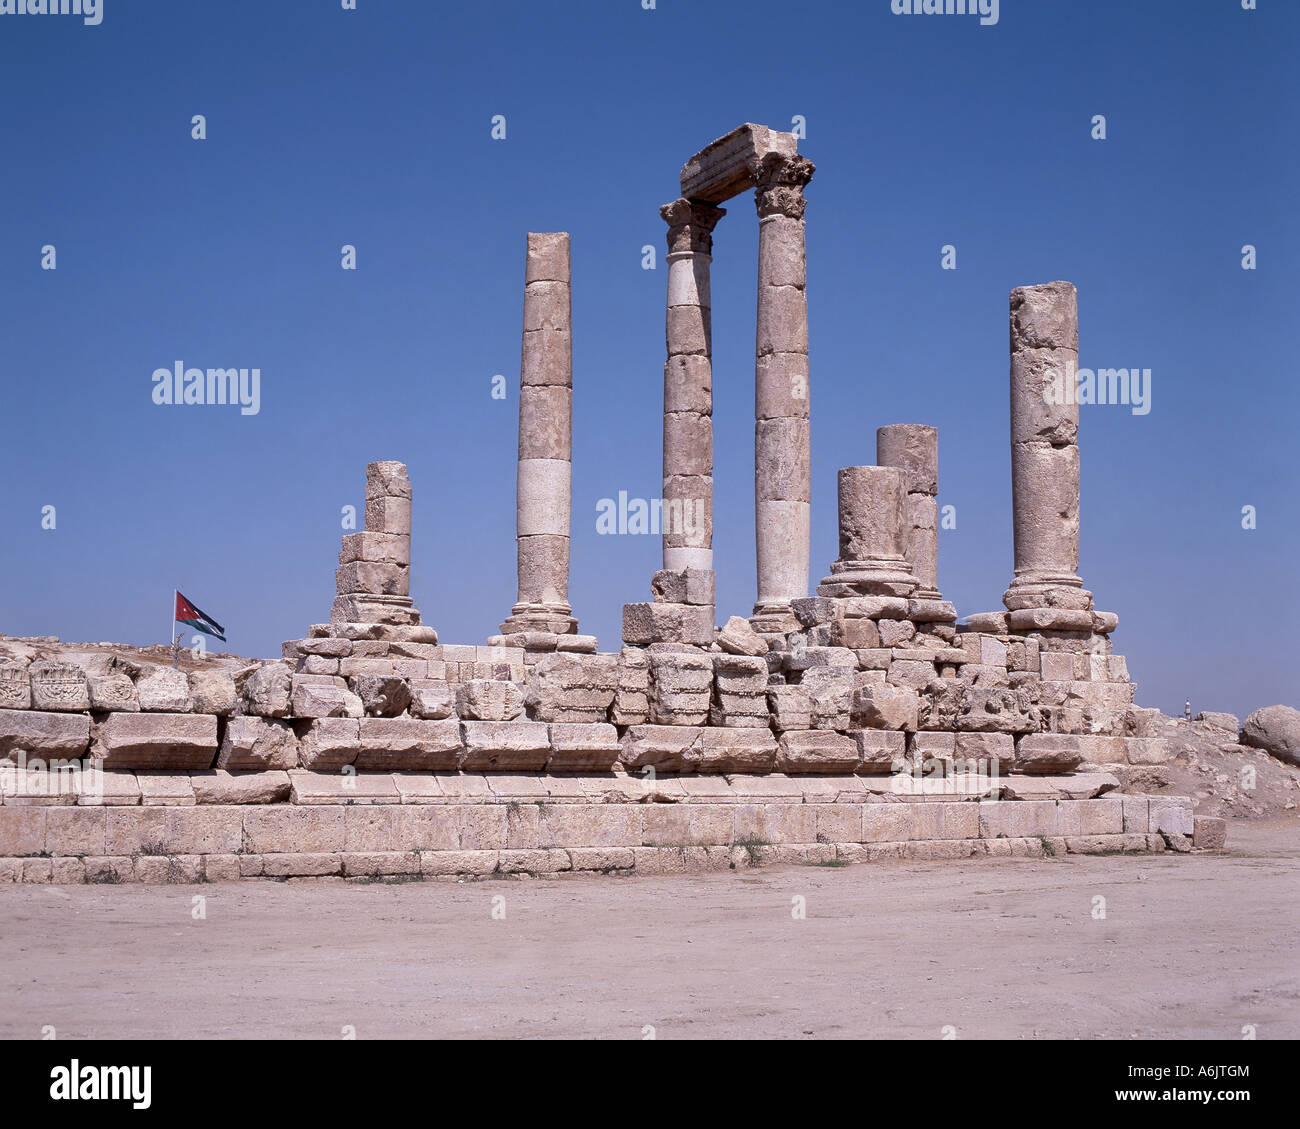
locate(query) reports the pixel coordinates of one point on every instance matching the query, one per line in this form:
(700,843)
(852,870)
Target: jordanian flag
(188,614)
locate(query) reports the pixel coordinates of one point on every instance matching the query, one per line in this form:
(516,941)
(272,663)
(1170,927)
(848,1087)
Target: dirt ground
(1190,946)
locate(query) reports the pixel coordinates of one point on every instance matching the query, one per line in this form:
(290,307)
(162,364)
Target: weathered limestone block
(382,695)
(583,747)
(212,691)
(505,746)
(982,752)
(44,734)
(632,699)
(684,586)
(814,751)
(672,623)
(382,548)
(1048,753)
(373,577)
(116,693)
(830,692)
(328,742)
(574,687)
(483,699)
(140,740)
(405,743)
(220,787)
(879,751)
(58,686)
(164,690)
(736,750)
(790,708)
(956,706)
(885,707)
(666,748)
(738,637)
(911,673)
(681,686)
(431,702)
(1209,833)
(321,699)
(1171,815)
(252,743)
(267,690)
(388,515)
(15,687)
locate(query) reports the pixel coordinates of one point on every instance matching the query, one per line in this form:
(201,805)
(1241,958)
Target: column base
(870,578)
(366,607)
(553,619)
(1047,590)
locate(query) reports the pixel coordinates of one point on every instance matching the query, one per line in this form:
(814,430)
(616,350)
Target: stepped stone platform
(865,721)
(214,826)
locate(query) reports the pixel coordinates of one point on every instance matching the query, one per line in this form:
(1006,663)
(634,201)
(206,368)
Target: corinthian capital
(690,224)
(779,182)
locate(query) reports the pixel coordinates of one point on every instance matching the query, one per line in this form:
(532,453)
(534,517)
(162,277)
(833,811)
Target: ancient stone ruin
(861,722)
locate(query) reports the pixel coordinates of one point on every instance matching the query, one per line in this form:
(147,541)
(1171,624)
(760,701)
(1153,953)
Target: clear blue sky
(372,127)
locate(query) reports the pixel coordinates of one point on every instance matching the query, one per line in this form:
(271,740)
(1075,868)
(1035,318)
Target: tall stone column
(544,485)
(914,449)
(687,518)
(1045,456)
(782,453)
(872,513)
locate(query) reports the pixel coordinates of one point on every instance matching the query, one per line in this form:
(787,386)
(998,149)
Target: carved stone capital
(779,182)
(690,225)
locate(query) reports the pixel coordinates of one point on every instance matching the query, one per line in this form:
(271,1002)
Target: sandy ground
(1190,946)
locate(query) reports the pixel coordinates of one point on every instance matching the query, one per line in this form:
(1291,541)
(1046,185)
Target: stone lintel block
(723,168)
(737,750)
(44,733)
(583,747)
(667,748)
(879,751)
(505,746)
(1048,753)
(140,740)
(217,786)
(816,751)
(406,743)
